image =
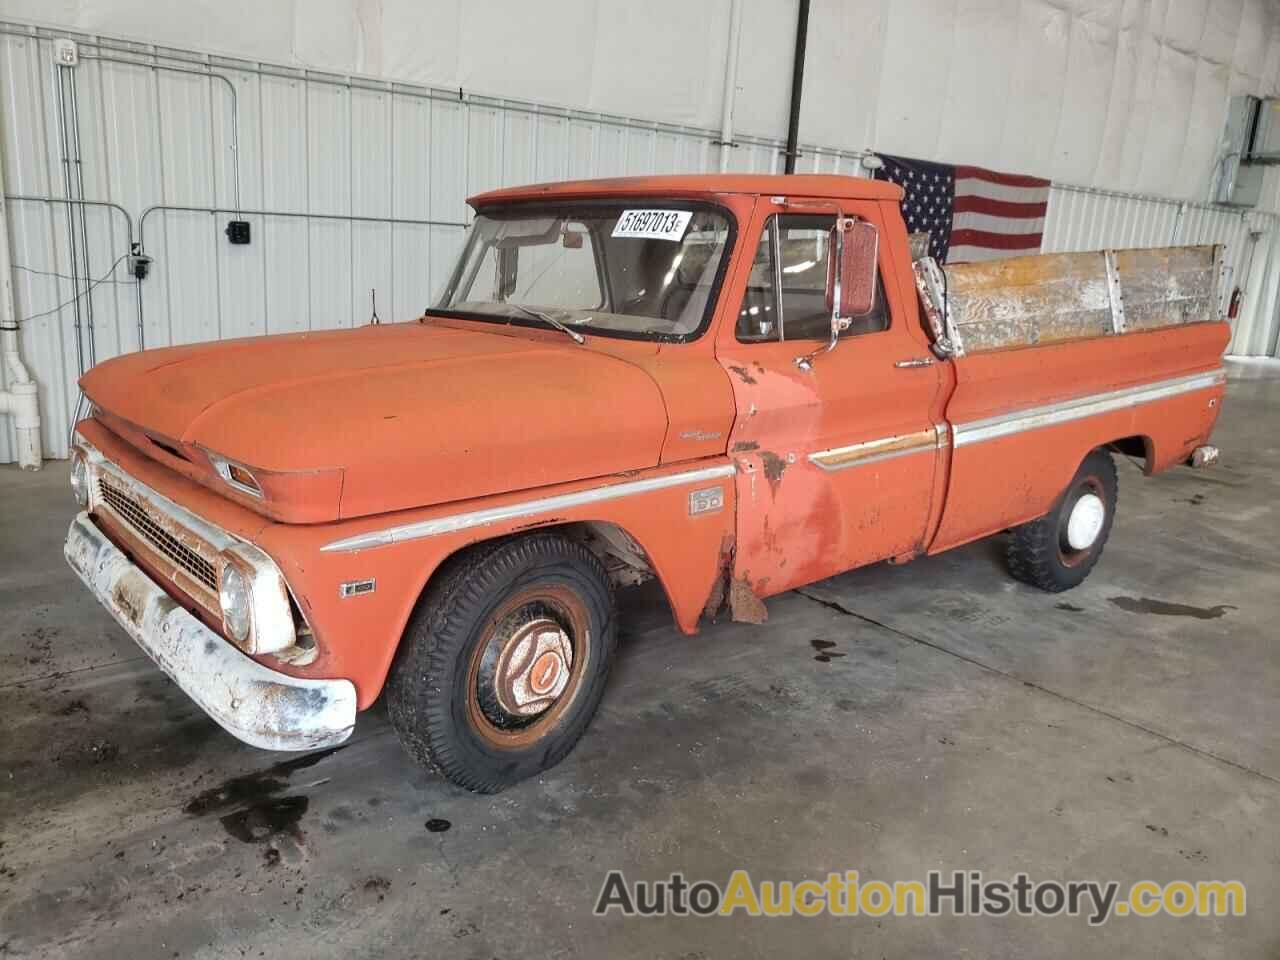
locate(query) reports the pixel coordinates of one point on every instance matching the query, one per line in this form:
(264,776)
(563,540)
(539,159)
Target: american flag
(970,213)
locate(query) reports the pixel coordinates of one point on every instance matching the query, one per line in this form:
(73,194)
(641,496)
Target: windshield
(625,269)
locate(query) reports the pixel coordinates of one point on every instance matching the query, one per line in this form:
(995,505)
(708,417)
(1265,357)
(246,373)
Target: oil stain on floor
(825,652)
(1163,608)
(251,808)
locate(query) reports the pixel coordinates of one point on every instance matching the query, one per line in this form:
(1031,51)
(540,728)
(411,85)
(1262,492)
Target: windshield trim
(552,207)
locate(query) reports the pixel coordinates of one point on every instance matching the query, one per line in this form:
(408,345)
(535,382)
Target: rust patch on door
(745,446)
(744,375)
(774,467)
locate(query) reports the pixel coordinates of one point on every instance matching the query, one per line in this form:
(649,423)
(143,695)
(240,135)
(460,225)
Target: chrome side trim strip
(480,518)
(876,451)
(1078,408)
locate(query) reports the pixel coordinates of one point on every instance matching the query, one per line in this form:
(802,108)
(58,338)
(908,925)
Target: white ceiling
(1127,94)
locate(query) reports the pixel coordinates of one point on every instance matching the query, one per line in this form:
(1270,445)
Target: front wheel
(1058,551)
(505,660)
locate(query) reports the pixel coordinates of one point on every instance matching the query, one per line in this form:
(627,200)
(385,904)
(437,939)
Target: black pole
(797,84)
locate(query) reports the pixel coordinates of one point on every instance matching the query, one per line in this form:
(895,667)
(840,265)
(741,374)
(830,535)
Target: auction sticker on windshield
(653,224)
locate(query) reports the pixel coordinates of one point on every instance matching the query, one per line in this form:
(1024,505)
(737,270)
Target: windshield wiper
(547,318)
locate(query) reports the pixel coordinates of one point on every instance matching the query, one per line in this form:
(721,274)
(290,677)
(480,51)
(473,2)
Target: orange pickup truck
(733,384)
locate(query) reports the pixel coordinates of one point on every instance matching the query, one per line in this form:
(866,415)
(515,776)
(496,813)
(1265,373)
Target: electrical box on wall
(65,52)
(1242,112)
(1245,188)
(1251,143)
(1264,147)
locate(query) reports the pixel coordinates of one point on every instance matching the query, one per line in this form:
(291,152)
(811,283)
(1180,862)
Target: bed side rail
(1047,298)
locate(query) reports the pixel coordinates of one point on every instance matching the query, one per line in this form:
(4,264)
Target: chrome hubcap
(1085,522)
(533,668)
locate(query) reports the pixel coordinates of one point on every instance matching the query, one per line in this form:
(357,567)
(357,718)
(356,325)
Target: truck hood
(355,422)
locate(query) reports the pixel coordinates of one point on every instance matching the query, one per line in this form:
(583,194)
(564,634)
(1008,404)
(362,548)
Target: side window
(786,295)
(758,316)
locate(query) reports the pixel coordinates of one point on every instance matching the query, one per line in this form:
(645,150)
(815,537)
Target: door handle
(917,362)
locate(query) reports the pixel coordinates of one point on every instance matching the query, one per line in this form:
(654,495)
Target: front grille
(139,520)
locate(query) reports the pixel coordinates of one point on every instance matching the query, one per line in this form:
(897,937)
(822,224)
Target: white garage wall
(1092,92)
(312,151)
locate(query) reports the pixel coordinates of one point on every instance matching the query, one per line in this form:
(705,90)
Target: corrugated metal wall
(353,185)
(312,152)
(1087,219)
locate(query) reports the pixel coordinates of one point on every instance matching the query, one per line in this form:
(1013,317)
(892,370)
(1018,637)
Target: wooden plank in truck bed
(1046,298)
(1166,286)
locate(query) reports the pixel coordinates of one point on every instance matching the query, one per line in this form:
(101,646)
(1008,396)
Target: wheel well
(624,559)
(1135,447)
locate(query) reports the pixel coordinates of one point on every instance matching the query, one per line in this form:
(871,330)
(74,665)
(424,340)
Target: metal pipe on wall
(198,65)
(730,83)
(106,204)
(1263,333)
(84,221)
(1253,285)
(64,144)
(21,400)
(353,217)
(209,74)
(797,84)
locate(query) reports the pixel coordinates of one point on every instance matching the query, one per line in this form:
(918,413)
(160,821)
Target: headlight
(237,603)
(80,479)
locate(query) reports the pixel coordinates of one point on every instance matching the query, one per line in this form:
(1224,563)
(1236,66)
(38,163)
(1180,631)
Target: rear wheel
(1058,551)
(504,662)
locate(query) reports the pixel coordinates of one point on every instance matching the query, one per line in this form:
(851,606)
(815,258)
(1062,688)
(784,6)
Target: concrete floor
(967,722)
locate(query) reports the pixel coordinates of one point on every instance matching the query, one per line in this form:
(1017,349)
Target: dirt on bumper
(254,703)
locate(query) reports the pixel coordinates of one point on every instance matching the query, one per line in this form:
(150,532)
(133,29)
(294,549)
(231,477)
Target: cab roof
(704,184)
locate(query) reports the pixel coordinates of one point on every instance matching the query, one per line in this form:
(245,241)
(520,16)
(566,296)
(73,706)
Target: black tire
(442,692)
(1040,553)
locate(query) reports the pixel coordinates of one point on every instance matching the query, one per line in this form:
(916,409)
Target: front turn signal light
(236,475)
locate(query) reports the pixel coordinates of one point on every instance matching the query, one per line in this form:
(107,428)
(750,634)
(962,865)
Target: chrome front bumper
(259,706)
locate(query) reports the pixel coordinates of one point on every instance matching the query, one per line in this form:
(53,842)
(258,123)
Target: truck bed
(1055,354)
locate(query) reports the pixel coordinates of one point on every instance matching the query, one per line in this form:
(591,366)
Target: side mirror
(851,269)
(858,267)
(851,278)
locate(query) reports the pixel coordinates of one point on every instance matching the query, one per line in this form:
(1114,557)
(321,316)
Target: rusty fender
(252,702)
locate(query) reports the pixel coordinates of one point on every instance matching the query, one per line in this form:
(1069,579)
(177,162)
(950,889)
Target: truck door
(836,464)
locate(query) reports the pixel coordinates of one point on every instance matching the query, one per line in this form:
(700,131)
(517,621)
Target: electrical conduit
(20,399)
